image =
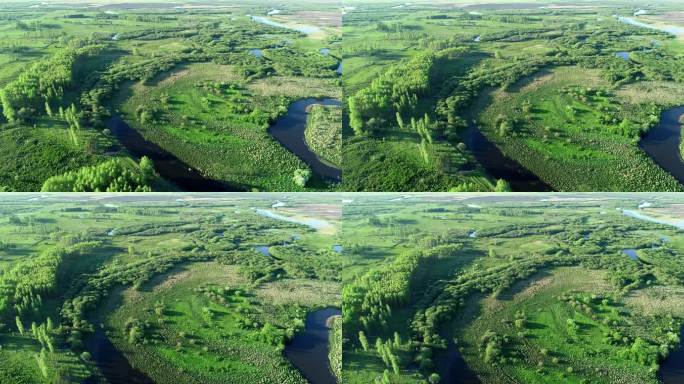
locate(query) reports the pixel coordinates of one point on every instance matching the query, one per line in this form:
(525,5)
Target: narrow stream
(661,143)
(672,369)
(672,29)
(289,131)
(111,362)
(166,164)
(308,350)
(498,166)
(453,369)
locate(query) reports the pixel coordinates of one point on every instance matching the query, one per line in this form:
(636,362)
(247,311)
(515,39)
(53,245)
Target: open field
(553,91)
(164,288)
(532,288)
(194,86)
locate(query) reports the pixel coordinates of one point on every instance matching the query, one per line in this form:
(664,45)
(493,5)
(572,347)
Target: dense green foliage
(116,175)
(420,79)
(43,84)
(526,288)
(178,285)
(335,346)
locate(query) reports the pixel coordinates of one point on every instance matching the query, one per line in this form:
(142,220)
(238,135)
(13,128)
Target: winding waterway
(112,363)
(303,28)
(166,164)
(453,369)
(641,216)
(672,29)
(317,224)
(661,143)
(289,131)
(672,369)
(308,350)
(498,166)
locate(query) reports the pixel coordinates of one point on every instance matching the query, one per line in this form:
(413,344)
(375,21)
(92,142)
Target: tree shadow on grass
(534,325)
(519,287)
(520,84)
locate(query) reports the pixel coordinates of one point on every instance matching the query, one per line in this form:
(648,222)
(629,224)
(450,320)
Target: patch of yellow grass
(202,272)
(567,278)
(648,91)
(191,72)
(658,300)
(296,87)
(300,291)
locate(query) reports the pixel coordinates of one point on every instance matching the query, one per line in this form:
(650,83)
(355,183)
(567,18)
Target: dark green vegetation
(565,91)
(522,288)
(335,346)
(116,175)
(324,132)
(188,288)
(201,82)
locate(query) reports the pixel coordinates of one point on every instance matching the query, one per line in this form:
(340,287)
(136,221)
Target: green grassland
(124,59)
(219,126)
(523,288)
(511,65)
(577,133)
(176,282)
(324,132)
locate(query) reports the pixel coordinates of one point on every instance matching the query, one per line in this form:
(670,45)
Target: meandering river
(672,29)
(289,131)
(308,350)
(672,369)
(661,143)
(317,224)
(167,165)
(642,216)
(303,28)
(498,166)
(112,363)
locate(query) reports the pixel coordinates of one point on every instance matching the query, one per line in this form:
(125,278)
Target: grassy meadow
(552,86)
(534,288)
(324,132)
(182,288)
(202,82)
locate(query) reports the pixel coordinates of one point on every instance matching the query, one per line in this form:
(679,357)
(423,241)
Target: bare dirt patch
(322,211)
(321,18)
